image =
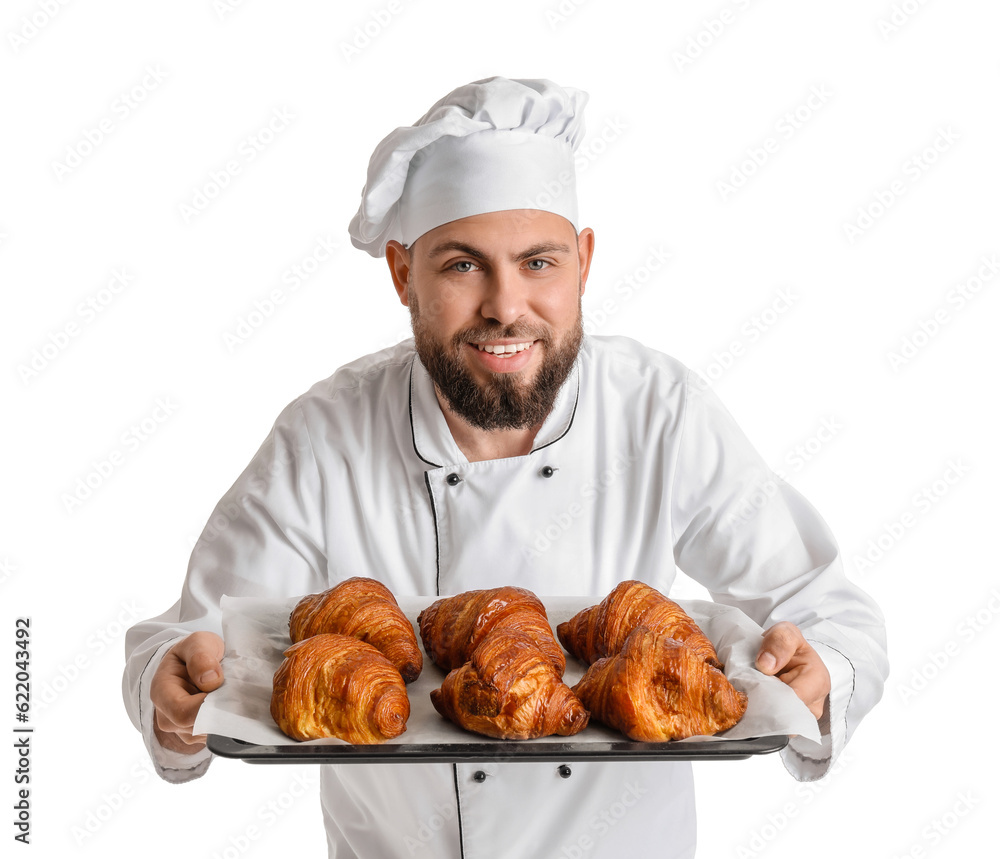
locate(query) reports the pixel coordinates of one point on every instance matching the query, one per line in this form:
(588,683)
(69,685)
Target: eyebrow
(470,250)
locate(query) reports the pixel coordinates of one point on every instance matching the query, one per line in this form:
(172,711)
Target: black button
(479,775)
(454,479)
(548,471)
(565,771)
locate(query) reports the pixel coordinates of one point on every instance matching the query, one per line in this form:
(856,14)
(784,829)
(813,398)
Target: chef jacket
(637,471)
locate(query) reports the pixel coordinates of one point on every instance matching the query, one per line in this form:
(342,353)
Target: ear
(585,245)
(398,259)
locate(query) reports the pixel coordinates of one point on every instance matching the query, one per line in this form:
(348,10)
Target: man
(439,464)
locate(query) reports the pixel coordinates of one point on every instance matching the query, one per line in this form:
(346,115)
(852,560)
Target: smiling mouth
(503,350)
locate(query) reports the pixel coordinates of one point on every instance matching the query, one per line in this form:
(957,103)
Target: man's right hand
(188,671)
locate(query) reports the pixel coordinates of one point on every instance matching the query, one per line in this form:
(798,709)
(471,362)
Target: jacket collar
(433,441)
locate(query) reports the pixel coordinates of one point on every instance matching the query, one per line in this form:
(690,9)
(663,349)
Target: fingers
(786,654)
(179,738)
(780,644)
(201,654)
(187,672)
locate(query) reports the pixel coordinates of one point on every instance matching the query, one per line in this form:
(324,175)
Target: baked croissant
(453,627)
(601,630)
(510,690)
(333,685)
(365,609)
(657,689)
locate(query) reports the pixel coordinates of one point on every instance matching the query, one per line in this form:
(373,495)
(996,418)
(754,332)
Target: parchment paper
(256,635)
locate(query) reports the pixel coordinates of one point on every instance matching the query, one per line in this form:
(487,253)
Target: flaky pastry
(332,685)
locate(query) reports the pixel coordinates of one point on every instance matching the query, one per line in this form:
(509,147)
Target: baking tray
(511,751)
(237,719)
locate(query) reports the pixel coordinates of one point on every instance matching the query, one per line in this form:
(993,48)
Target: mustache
(516,330)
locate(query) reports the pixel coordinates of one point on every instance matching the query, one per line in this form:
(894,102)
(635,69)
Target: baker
(442,464)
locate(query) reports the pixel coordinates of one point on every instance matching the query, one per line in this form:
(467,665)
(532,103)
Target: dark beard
(504,402)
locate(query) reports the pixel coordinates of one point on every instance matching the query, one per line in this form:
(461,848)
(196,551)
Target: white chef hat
(488,146)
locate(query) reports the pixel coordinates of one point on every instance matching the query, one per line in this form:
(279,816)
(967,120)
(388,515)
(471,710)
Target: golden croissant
(601,630)
(365,609)
(510,690)
(657,689)
(453,627)
(333,685)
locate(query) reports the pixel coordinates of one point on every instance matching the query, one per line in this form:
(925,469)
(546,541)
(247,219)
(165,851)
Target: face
(495,304)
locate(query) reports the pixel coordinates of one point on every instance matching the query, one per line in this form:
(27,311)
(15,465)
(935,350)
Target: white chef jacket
(637,471)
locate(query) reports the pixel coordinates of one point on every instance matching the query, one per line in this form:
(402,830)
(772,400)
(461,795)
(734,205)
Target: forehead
(499,233)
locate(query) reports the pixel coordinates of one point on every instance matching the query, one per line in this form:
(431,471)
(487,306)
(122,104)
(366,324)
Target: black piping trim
(458,806)
(437,539)
(413,431)
(572,417)
(141,675)
(854,683)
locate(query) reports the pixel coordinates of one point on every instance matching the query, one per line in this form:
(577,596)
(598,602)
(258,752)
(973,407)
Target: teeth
(502,349)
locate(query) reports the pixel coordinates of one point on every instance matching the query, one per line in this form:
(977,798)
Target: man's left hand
(785,654)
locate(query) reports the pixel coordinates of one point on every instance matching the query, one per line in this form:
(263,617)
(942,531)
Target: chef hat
(488,146)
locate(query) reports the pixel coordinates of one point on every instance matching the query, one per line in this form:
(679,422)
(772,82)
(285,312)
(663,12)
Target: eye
(464,266)
(537,264)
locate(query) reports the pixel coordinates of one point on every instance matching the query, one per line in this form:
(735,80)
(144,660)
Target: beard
(504,401)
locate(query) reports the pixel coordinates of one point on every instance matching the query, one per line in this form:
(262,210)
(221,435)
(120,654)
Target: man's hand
(786,654)
(188,671)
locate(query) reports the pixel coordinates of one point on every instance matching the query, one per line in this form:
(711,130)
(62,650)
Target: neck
(479,444)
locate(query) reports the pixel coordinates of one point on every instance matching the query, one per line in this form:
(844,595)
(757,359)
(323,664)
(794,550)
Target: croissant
(365,609)
(657,689)
(453,627)
(601,630)
(510,690)
(333,685)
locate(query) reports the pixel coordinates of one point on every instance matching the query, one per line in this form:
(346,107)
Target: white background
(682,98)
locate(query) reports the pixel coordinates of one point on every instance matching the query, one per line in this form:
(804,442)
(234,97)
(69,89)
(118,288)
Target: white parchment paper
(256,635)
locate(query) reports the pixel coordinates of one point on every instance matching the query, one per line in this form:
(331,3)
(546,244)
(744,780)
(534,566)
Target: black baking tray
(512,751)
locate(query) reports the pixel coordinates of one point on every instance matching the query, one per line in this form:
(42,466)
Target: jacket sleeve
(755,543)
(265,537)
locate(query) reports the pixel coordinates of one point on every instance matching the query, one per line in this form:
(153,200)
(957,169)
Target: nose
(505,296)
